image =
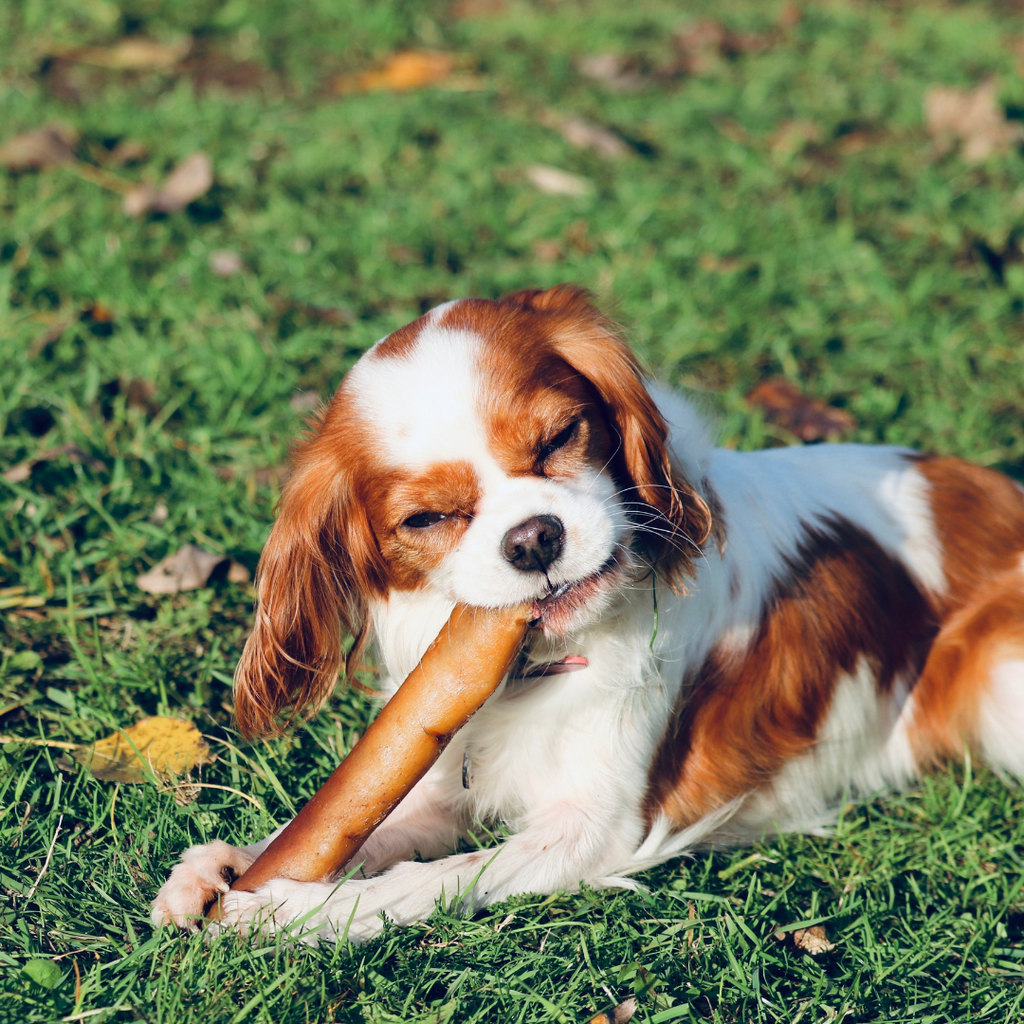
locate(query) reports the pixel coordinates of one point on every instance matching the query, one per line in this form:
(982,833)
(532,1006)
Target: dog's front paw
(309,911)
(193,885)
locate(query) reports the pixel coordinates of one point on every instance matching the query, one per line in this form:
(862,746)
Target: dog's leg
(423,824)
(971,691)
(203,872)
(570,842)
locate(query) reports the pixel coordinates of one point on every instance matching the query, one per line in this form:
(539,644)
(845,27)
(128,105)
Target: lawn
(759,196)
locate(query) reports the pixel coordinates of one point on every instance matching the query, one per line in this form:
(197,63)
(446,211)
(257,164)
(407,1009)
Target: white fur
(562,762)
(1002,716)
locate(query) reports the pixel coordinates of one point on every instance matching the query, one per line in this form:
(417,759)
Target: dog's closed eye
(423,520)
(559,441)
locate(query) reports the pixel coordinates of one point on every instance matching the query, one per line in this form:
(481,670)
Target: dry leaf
(971,117)
(857,141)
(619,1015)
(133,53)
(584,134)
(718,265)
(23,470)
(43,147)
(191,179)
(701,45)
(155,746)
(613,71)
(556,182)
(785,405)
(128,151)
(237,573)
(811,940)
(188,569)
(411,69)
(791,137)
(226,263)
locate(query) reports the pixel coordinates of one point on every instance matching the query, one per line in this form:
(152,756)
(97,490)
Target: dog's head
(497,452)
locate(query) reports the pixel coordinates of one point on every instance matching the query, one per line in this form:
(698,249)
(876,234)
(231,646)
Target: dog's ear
(317,568)
(673,520)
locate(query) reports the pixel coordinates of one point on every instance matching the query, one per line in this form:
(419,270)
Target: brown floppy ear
(318,565)
(676,520)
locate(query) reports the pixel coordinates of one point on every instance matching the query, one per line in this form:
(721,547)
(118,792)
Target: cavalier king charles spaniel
(728,643)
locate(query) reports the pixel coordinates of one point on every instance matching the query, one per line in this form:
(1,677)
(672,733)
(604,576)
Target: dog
(727,644)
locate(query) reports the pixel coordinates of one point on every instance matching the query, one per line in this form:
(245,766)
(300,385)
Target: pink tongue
(573,663)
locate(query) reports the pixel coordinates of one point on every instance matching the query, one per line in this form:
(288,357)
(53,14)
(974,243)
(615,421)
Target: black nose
(532,546)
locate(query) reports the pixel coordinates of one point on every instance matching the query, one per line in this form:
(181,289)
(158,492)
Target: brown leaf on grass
(42,147)
(785,405)
(408,70)
(133,53)
(811,940)
(971,117)
(189,180)
(792,136)
(189,568)
(584,134)
(237,573)
(155,746)
(618,1015)
(614,71)
(226,263)
(702,44)
(231,70)
(23,470)
(715,264)
(128,151)
(556,182)
(858,140)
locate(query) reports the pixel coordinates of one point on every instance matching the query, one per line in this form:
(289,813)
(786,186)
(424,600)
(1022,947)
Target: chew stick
(460,670)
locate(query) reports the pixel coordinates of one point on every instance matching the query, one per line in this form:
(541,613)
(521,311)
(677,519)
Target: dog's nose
(533,545)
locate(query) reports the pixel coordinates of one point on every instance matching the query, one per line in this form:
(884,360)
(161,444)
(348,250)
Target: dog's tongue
(572,663)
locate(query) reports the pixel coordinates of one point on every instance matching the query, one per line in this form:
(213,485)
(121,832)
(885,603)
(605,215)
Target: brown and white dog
(730,643)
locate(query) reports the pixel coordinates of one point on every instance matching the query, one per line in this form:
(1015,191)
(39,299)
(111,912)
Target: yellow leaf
(412,69)
(155,746)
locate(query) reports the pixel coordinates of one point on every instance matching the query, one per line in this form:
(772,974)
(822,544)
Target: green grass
(884,278)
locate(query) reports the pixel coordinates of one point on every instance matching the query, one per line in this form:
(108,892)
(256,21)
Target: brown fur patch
(979,519)
(400,343)
(987,630)
(451,488)
(745,714)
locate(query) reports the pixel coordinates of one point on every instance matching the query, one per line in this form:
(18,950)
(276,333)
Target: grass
(781,211)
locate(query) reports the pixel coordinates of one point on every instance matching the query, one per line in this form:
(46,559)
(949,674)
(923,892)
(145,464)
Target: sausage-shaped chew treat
(460,670)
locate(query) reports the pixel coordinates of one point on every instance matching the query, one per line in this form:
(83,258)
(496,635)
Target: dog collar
(570,663)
